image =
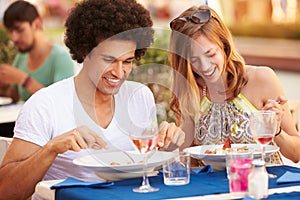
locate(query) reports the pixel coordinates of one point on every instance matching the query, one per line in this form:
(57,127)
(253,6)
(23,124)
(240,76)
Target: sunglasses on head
(198,17)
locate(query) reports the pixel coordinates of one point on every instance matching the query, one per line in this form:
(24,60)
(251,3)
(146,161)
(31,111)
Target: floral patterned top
(218,121)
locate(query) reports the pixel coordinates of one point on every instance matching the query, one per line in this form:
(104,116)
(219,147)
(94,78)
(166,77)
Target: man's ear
(37,24)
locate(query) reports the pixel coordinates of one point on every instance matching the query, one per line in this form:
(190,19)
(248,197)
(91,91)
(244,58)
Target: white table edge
(239,195)
(43,190)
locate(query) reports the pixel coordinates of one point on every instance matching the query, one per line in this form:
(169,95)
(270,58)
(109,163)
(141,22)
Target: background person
(39,63)
(59,122)
(215,92)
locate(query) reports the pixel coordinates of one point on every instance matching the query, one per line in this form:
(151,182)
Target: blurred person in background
(215,92)
(58,123)
(39,62)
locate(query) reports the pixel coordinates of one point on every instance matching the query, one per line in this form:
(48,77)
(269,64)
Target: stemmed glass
(144,140)
(263,126)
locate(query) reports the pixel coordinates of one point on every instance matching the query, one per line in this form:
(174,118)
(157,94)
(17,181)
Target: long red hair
(186,98)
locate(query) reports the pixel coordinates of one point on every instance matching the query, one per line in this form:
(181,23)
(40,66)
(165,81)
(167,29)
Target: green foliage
(158,52)
(7,49)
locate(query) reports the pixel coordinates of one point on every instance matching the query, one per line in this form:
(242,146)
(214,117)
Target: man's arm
(25,163)
(9,91)
(13,76)
(23,166)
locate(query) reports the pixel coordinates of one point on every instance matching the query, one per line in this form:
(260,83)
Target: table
(8,116)
(214,183)
(9,113)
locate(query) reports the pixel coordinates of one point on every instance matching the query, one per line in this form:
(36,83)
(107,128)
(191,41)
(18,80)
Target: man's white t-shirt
(56,109)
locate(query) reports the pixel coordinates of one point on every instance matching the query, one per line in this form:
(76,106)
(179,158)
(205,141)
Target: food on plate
(226,145)
(128,163)
(215,151)
(243,148)
(114,163)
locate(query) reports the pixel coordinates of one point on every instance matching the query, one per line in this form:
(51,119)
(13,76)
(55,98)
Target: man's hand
(11,75)
(170,136)
(77,139)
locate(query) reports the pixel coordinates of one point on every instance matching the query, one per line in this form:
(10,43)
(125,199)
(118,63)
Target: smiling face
(207,59)
(109,64)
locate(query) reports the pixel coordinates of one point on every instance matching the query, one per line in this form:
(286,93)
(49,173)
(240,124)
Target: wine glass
(144,139)
(263,126)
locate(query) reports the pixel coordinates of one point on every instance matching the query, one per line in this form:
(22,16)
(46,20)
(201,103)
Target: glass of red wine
(263,126)
(145,141)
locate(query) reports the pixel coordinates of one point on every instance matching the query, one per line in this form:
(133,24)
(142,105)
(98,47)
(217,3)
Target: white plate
(5,101)
(101,164)
(218,160)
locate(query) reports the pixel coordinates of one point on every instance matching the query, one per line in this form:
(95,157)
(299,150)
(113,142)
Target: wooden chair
(4,144)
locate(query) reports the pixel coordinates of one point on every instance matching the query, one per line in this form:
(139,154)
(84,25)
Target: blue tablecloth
(200,184)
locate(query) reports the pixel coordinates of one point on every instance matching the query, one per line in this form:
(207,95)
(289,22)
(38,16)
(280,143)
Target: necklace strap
(204,90)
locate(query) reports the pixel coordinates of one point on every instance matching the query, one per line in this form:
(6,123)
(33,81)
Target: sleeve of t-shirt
(16,64)
(35,120)
(63,65)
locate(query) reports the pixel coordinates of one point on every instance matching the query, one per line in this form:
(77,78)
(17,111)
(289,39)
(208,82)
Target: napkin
(289,177)
(205,169)
(72,182)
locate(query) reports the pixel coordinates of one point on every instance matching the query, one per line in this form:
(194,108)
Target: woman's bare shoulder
(262,85)
(260,74)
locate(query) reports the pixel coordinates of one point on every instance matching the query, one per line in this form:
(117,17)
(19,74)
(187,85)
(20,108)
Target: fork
(129,156)
(212,148)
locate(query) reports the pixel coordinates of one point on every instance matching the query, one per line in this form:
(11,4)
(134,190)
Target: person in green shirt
(39,62)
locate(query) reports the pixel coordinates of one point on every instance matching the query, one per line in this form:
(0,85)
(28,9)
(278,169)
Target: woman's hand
(276,106)
(170,136)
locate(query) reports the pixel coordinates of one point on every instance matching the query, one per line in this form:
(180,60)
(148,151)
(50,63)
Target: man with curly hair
(91,110)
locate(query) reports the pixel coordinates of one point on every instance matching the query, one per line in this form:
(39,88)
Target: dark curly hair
(92,21)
